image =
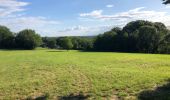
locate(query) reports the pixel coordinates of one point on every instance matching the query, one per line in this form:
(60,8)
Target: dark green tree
(132,32)
(164,46)
(28,39)
(66,43)
(6,38)
(80,43)
(120,40)
(132,29)
(114,40)
(148,39)
(51,44)
(105,42)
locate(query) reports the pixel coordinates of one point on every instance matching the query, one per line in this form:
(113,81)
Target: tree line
(136,36)
(25,39)
(75,43)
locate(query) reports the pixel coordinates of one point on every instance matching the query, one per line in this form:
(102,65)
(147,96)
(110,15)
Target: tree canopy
(136,36)
(28,39)
(66,43)
(6,37)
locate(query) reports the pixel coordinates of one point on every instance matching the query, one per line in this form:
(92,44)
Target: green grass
(52,73)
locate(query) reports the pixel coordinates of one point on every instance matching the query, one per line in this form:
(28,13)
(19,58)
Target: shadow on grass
(160,93)
(122,52)
(74,97)
(43,97)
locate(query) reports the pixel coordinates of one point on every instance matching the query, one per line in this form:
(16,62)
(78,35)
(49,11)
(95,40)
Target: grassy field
(52,74)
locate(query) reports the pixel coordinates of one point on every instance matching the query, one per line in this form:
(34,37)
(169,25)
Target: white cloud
(84,31)
(74,28)
(95,13)
(135,14)
(109,6)
(8,7)
(26,22)
(42,25)
(168,6)
(12,15)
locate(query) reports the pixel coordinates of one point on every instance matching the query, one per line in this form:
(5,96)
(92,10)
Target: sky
(78,17)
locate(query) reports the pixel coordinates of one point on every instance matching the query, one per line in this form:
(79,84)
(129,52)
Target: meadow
(64,75)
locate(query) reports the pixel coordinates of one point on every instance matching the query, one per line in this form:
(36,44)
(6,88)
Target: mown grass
(55,74)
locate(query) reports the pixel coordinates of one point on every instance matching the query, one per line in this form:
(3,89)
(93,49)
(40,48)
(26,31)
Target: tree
(147,41)
(132,33)
(6,38)
(166,1)
(120,40)
(114,40)
(132,29)
(82,43)
(28,39)
(105,42)
(66,43)
(164,46)
(77,41)
(51,43)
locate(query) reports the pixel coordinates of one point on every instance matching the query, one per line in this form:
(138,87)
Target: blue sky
(78,17)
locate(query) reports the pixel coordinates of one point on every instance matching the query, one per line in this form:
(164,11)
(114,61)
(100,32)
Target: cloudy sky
(78,17)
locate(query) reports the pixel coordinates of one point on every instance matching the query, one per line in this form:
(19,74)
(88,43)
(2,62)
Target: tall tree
(164,46)
(28,39)
(105,42)
(6,37)
(132,31)
(147,41)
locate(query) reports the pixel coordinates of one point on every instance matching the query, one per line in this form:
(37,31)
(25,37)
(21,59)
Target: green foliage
(114,40)
(49,43)
(6,38)
(136,36)
(164,46)
(147,41)
(66,43)
(82,43)
(28,39)
(105,42)
(77,43)
(132,30)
